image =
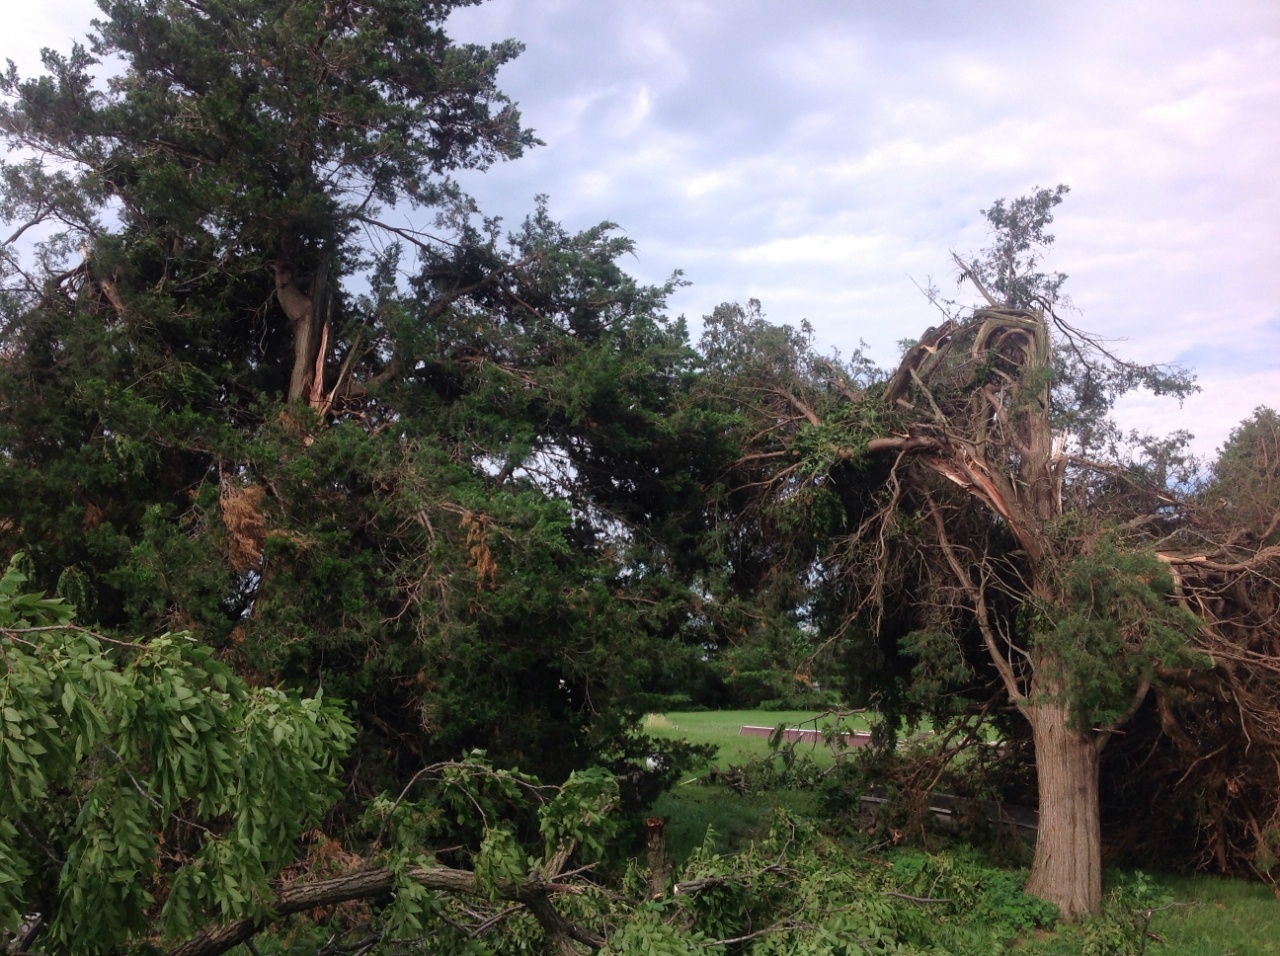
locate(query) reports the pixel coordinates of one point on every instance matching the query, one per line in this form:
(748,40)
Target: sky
(826,156)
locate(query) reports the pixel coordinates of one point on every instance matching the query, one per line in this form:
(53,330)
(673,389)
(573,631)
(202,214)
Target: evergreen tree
(448,488)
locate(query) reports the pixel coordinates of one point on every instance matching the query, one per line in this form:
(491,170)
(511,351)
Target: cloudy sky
(826,155)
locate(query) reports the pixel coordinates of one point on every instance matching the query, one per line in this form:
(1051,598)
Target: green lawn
(720,727)
(1213,916)
(1227,916)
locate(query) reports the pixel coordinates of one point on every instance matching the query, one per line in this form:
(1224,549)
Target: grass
(735,820)
(690,809)
(720,727)
(1215,916)
(1212,916)
(1226,916)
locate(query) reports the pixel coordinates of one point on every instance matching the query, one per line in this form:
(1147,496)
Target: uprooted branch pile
(1204,755)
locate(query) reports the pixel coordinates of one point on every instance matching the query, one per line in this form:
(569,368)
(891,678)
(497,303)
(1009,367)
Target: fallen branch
(780,927)
(693,886)
(535,895)
(916,899)
(14,631)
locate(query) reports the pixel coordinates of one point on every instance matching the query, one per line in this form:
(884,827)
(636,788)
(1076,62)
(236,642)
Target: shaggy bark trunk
(999,447)
(1068,863)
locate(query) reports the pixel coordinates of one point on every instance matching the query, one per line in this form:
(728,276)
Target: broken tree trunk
(306,303)
(659,862)
(996,442)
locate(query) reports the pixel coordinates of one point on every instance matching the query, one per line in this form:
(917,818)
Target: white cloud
(26,28)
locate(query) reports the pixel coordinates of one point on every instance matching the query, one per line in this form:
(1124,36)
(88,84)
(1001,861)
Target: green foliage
(1121,928)
(150,773)
(1117,621)
(815,896)
(263,114)
(503,520)
(1244,487)
(940,664)
(582,813)
(794,888)
(788,406)
(499,861)
(644,934)
(489,534)
(1009,266)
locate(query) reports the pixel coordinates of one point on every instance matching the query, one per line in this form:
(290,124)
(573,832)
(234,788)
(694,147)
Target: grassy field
(721,727)
(1214,916)
(1224,916)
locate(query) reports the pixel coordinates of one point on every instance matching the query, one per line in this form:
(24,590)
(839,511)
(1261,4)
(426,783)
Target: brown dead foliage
(326,858)
(246,527)
(478,546)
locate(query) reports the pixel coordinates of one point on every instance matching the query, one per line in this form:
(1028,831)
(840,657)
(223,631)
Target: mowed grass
(1212,916)
(1225,916)
(722,728)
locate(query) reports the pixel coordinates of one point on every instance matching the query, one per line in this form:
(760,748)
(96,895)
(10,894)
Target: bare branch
(979,607)
(977,283)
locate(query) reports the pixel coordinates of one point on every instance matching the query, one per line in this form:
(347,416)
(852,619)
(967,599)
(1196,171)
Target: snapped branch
(534,894)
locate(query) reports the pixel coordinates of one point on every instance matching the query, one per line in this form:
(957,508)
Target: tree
(452,491)
(1089,618)
(232,404)
(956,513)
(160,785)
(763,613)
(1194,780)
(256,137)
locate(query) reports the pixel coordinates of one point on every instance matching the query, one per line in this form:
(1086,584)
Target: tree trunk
(308,312)
(1068,863)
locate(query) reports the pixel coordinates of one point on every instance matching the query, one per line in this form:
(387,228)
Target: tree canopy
(235,405)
